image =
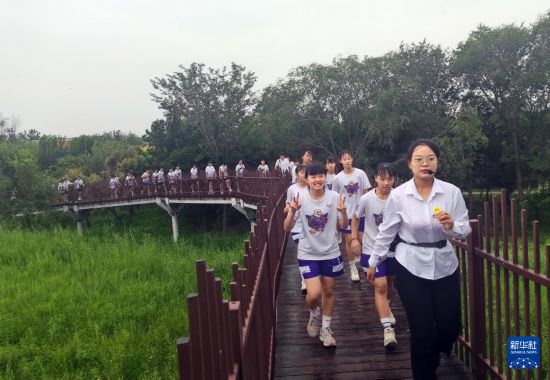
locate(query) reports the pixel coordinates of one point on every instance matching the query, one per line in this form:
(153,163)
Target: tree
(214,102)
(492,65)
(461,146)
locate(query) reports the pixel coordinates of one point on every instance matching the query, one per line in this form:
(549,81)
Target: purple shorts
(361,226)
(385,268)
(327,268)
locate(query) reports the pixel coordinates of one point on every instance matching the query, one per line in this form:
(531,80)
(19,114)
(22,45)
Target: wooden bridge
(248,193)
(260,332)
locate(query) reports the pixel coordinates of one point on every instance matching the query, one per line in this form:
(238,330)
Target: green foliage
(213,102)
(537,206)
(460,144)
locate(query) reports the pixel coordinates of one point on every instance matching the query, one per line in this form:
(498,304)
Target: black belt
(438,244)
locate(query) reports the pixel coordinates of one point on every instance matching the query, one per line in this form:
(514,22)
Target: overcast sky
(72,67)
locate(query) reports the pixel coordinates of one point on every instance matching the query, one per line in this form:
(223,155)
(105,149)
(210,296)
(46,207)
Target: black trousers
(433,313)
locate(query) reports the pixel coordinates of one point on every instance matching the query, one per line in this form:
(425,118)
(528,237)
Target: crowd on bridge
(161,182)
(399,236)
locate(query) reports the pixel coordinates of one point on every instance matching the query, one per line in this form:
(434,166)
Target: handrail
(234,338)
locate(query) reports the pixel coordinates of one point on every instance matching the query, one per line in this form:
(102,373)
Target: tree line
(487,103)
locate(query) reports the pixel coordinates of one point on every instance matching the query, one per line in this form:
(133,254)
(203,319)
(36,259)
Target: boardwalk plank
(360,353)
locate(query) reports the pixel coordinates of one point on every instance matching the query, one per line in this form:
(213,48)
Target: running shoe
(392,319)
(389,339)
(314,324)
(354,273)
(325,335)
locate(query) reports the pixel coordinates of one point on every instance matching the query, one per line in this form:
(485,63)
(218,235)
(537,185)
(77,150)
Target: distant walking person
(225,181)
(63,188)
(320,212)
(423,214)
(79,187)
(114,184)
(210,172)
(194,174)
(156,181)
(282,164)
(145,183)
(130,184)
(162,181)
(263,169)
(239,173)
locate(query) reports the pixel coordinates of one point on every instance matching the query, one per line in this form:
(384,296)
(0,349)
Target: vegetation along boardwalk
(360,353)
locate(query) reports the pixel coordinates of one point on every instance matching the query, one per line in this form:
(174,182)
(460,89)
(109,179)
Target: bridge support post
(249,213)
(78,217)
(174,211)
(175,227)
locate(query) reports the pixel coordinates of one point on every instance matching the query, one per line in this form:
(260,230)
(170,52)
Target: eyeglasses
(421,160)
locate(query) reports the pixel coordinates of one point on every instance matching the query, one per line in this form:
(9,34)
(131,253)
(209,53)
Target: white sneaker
(392,319)
(389,339)
(326,337)
(303,287)
(314,324)
(354,273)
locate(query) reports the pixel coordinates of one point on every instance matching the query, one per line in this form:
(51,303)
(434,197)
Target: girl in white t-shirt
(371,207)
(210,172)
(239,173)
(353,183)
(320,212)
(295,233)
(194,174)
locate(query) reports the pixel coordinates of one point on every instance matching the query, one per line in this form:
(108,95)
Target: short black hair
(344,152)
(330,160)
(315,168)
(384,169)
(300,167)
(416,143)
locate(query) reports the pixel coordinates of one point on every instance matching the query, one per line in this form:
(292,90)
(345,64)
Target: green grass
(108,305)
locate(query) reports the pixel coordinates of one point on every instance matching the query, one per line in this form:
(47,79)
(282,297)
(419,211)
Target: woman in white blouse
(422,214)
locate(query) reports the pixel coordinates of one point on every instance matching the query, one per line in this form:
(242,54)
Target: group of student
(401,236)
(158,182)
(64,186)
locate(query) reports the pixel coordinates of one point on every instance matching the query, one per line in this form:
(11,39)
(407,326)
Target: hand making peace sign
(342,204)
(295,204)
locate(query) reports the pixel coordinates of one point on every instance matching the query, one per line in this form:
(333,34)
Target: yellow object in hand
(436,210)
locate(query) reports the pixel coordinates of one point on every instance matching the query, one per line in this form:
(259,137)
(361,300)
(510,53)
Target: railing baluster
(538,308)
(496,245)
(506,275)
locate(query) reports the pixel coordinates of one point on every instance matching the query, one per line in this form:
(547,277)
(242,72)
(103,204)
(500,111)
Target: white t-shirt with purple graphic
(330,180)
(352,186)
(372,208)
(318,218)
(290,194)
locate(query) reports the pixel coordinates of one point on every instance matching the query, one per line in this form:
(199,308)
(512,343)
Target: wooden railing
(501,296)
(231,339)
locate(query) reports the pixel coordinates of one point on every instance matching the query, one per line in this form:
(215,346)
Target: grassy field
(110,304)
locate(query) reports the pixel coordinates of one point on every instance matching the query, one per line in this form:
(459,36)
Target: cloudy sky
(70,67)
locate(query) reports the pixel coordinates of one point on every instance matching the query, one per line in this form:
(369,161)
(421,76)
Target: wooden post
(79,227)
(477,308)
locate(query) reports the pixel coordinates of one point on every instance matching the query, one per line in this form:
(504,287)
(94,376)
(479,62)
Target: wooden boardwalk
(359,336)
